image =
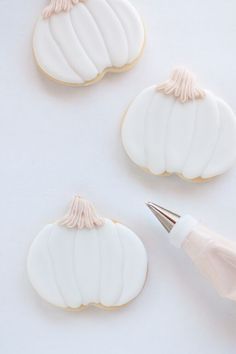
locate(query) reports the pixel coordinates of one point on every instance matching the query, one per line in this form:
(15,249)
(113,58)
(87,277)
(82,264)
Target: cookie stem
(57,6)
(182,84)
(81,214)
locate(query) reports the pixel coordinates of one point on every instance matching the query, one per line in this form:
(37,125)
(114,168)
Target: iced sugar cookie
(180,128)
(77,41)
(84,260)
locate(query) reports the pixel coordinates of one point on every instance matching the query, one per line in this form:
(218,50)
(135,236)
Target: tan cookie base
(115,70)
(100,306)
(108,308)
(167,174)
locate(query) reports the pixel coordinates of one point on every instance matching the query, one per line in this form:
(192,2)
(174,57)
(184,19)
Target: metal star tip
(167,218)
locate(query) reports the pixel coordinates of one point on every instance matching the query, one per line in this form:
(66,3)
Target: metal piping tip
(167,218)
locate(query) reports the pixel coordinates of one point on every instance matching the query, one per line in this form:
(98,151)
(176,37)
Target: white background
(56,141)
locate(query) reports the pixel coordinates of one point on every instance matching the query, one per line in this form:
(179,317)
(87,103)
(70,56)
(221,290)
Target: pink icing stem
(182,85)
(57,6)
(81,214)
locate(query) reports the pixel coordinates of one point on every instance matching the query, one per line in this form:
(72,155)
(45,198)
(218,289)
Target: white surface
(56,141)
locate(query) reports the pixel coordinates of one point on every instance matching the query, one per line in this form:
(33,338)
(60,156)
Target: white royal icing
(70,268)
(79,45)
(195,139)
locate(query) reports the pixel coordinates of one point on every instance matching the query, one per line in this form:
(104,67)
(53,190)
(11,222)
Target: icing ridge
(60,292)
(67,61)
(81,214)
(57,6)
(182,84)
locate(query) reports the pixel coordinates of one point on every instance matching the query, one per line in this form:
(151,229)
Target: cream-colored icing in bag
(215,257)
(212,254)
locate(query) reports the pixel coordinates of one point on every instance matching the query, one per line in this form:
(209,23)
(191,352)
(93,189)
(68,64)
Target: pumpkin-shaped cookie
(179,128)
(86,260)
(77,41)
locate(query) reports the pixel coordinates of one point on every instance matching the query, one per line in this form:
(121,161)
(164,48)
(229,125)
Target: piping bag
(211,253)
